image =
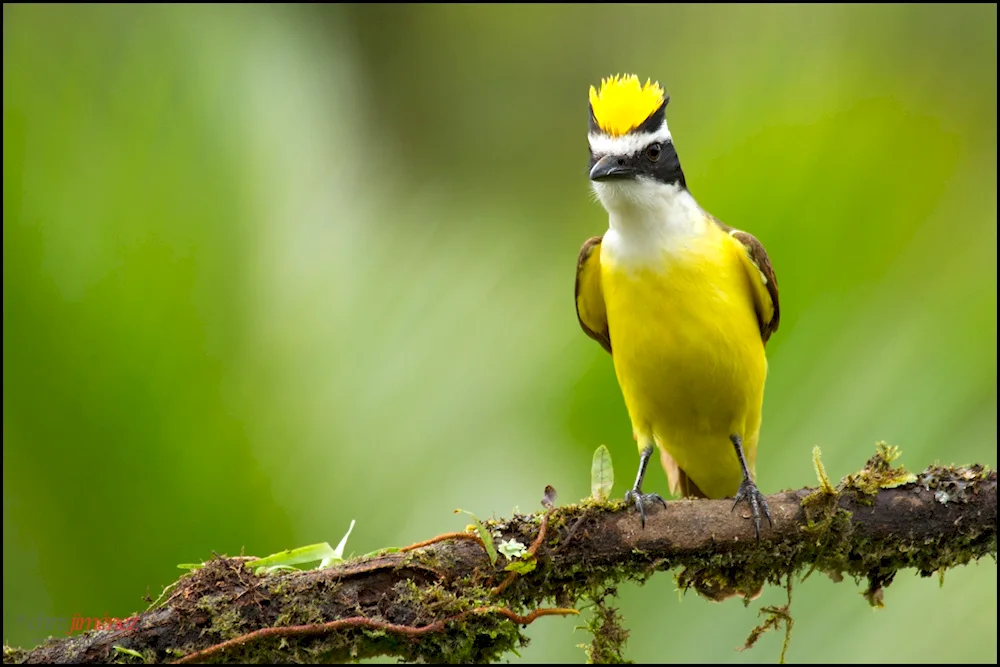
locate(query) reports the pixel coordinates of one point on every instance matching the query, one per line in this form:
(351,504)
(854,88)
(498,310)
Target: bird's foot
(755,499)
(637,497)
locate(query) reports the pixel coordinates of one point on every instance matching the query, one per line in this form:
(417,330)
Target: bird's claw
(755,499)
(637,497)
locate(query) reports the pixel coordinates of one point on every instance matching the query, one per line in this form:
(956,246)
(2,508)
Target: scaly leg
(748,490)
(635,494)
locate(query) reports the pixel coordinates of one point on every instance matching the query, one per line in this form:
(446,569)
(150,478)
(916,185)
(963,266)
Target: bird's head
(632,156)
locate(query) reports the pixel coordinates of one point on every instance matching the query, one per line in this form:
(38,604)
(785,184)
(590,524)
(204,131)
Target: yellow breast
(688,354)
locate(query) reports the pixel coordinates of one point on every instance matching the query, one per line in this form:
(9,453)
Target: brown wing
(589,294)
(765,285)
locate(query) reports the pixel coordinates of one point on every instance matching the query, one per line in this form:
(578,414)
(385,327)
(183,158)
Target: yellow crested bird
(684,304)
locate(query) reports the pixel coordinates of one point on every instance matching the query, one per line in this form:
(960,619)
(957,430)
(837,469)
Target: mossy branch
(443,601)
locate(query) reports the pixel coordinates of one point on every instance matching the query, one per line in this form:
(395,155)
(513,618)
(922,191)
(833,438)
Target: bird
(684,303)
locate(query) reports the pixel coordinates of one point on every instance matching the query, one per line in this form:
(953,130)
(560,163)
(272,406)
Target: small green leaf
(512,549)
(522,565)
(338,553)
(484,535)
(129,652)
(191,566)
(602,474)
(307,554)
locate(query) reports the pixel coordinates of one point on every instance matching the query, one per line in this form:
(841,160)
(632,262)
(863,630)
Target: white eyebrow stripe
(604,144)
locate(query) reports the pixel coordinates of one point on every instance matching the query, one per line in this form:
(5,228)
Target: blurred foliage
(267,269)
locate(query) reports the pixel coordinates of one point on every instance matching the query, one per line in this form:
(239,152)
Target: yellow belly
(689,357)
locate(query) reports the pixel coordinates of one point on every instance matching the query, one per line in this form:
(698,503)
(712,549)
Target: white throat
(647,218)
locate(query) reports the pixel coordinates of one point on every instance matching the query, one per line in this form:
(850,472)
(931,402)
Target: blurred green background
(267,269)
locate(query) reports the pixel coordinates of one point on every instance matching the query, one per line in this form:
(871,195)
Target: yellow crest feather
(623,103)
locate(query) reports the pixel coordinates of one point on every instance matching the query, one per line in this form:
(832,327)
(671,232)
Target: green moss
(878,579)
(877,561)
(774,617)
(14,655)
(878,473)
(226,621)
(609,635)
(426,558)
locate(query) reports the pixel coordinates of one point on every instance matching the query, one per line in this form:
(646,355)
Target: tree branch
(444,600)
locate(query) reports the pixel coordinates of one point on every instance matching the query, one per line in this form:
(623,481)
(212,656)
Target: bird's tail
(680,484)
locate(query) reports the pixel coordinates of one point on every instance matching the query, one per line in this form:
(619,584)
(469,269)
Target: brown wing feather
(760,259)
(757,254)
(588,295)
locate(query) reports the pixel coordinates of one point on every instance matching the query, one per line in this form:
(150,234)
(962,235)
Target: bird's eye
(653,152)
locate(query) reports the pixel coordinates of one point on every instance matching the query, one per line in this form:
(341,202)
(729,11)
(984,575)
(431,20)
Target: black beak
(611,167)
